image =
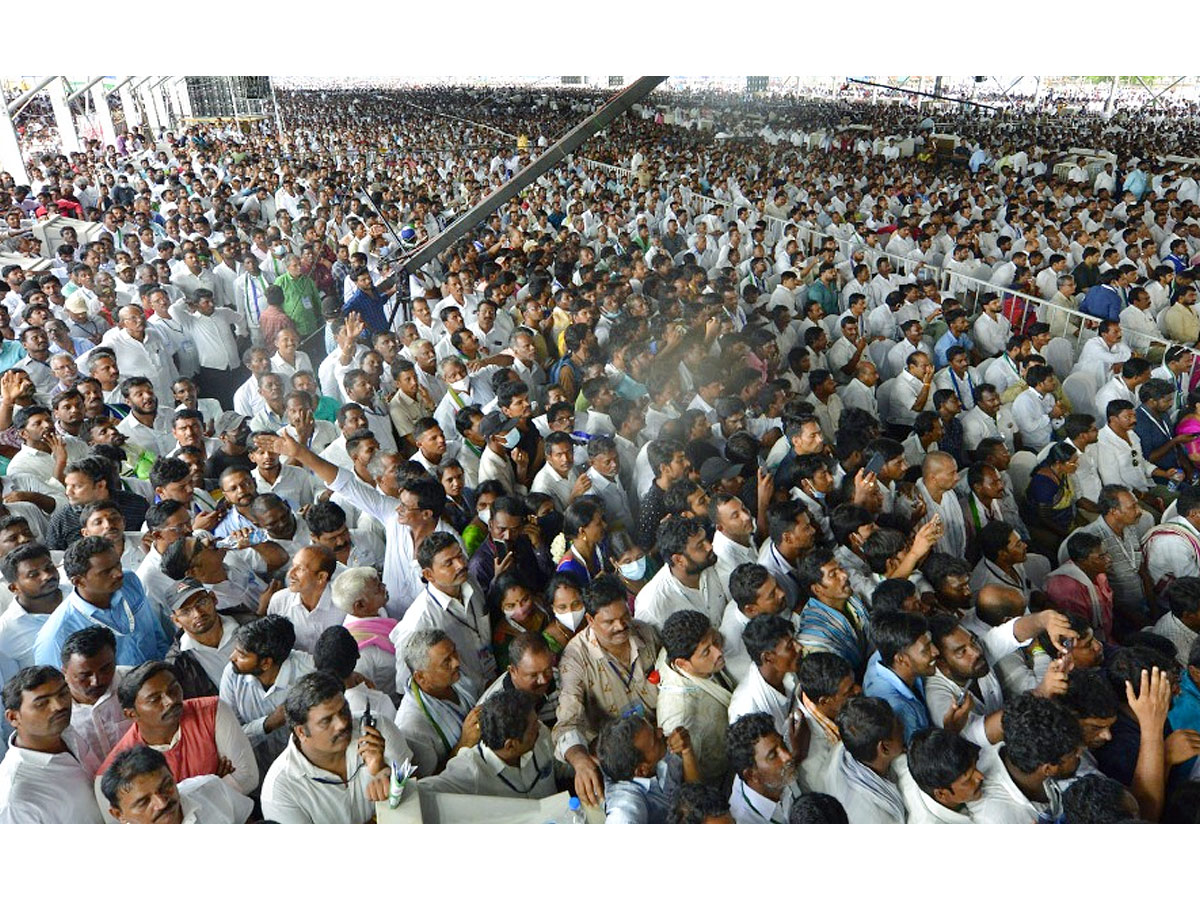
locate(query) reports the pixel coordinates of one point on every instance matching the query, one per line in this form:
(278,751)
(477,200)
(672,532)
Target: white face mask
(512,439)
(634,571)
(485,515)
(570,620)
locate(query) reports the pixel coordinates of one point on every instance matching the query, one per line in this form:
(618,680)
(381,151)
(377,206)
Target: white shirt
(252,702)
(1172,554)
(416,720)
(978,425)
(148,358)
(207,800)
(1121,461)
(18,630)
(309,623)
(991,334)
(212,659)
(101,725)
(856,395)
(907,388)
(749,807)
(292,795)
(664,594)
(1114,389)
(754,695)
(1098,358)
(293,484)
(1002,802)
(465,620)
(45,788)
(547,481)
(215,343)
(1031,412)
(157,440)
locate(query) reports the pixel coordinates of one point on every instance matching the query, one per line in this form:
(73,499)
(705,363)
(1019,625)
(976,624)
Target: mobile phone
(876,463)
(501,550)
(367,718)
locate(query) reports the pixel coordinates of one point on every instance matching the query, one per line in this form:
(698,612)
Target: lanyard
(970,386)
(751,806)
(437,728)
(538,774)
(625,680)
(128,616)
(473,625)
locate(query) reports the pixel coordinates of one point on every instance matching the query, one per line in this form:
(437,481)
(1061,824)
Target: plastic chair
(1080,388)
(883,397)
(1061,356)
(878,352)
(1020,469)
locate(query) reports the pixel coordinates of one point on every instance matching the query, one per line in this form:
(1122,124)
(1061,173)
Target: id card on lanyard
(128,616)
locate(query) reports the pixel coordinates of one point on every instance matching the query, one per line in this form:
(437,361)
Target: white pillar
(108,133)
(68,136)
(11,160)
(149,109)
(185,99)
(160,106)
(129,108)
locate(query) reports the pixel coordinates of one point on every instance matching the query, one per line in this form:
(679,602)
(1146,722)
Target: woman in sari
(1189,423)
(585,528)
(1050,502)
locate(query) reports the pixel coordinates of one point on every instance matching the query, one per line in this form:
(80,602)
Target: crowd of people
(709,481)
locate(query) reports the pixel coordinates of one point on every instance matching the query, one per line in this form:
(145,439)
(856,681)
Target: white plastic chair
(1020,469)
(878,352)
(883,397)
(1080,388)
(1060,355)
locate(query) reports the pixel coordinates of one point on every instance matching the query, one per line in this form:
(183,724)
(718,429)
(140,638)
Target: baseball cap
(76,305)
(716,469)
(185,591)
(496,423)
(229,422)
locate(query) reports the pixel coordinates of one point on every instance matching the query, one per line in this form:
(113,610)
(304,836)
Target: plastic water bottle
(257,536)
(575,812)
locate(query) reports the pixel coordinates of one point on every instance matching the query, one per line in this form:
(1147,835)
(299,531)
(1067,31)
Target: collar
(897,682)
(763,807)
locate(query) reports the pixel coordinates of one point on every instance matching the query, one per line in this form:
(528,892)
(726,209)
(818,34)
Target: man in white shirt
(437,716)
(1138,323)
(1103,355)
(688,580)
(262,668)
(1172,549)
(140,789)
(307,600)
(992,329)
(1124,386)
(1120,460)
(859,393)
(334,768)
(763,768)
(140,352)
(913,390)
(89,664)
(43,777)
(37,593)
(212,330)
(1036,412)
(202,649)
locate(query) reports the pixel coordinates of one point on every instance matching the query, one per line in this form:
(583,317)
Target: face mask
(485,515)
(512,439)
(634,571)
(462,385)
(570,620)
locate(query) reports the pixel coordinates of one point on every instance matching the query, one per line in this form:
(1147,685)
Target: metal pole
(87,87)
(14,108)
(120,84)
(11,160)
(68,136)
(888,87)
(232,98)
(555,154)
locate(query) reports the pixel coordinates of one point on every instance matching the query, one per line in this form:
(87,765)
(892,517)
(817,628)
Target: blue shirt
(907,704)
(1102,301)
(945,342)
(142,642)
(1185,710)
(10,353)
(371,310)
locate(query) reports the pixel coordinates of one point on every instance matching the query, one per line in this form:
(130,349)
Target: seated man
(824,682)
(104,595)
(1181,623)
(764,772)
(771,644)
(897,671)
(203,646)
(860,770)
(437,714)
(694,692)
(335,767)
(755,593)
(1042,741)
(643,770)
(939,779)
(361,595)
(141,790)
(43,778)
(197,737)
(263,665)
(530,671)
(513,758)
(1080,585)
(605,673)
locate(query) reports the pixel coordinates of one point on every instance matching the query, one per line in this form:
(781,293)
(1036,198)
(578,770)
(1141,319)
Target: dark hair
(18,555)
(312,690)
(880,546)
(1183,595)
(762,634)
(819,674)
(87,643)
(696,803)
(619,758)
(741,738)
(847,519)
(27,679)
(1082,544)
(270,637)
(674,533)
(602,591)
(817,809)
(1038,732)
(580,514)
(808,572)
(895,632)
(324,517)
(168,470)
(1095,800)
(993,538)
(139,759)
(1089,695)
(135,679)
(336,652)
(433,545)
(937,758)
(781,517)
(745,582)
(78,558)
(503,716)
(864,723)
(1126,664)
(682,633)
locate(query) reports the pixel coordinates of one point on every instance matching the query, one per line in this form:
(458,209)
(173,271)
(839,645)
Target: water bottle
(575,812)
(229,542)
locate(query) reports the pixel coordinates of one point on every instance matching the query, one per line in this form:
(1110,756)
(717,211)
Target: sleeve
(254,730)
(418,740)
(456,778)
(363,496)
(233,744)
(280,806)
(570,717)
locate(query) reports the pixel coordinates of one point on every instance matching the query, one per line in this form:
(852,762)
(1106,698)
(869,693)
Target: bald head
(937,463)
(997,603)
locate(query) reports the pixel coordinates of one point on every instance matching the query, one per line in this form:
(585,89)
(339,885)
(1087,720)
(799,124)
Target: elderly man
(936,486)
(307,600)
(437,715)
(141,352)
